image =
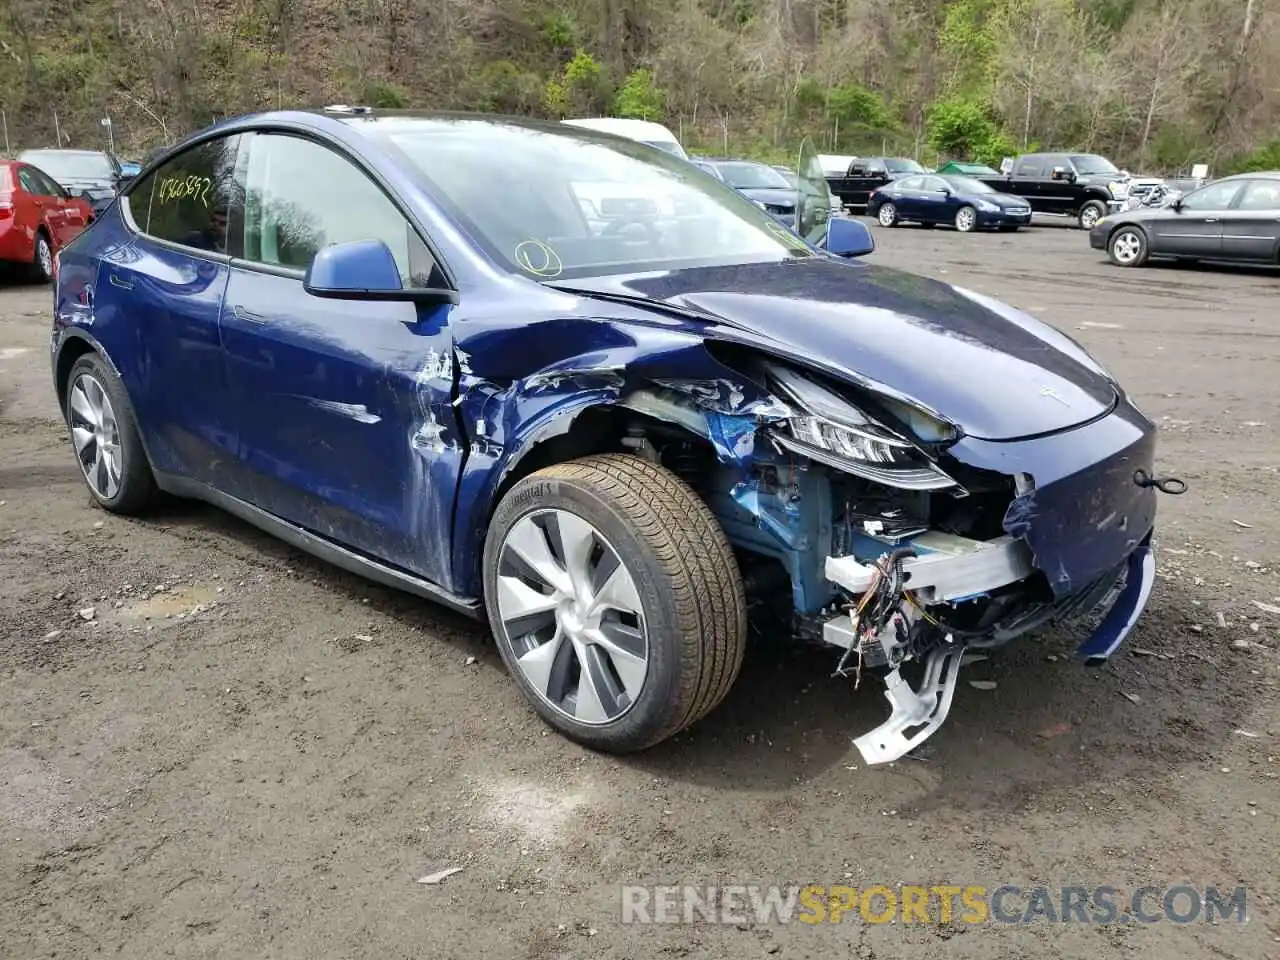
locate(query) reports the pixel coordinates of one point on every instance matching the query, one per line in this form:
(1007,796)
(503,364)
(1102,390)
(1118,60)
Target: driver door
(1194,227)
(342,407)
(813,205)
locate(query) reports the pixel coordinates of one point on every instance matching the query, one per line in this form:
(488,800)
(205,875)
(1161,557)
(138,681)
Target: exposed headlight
(829,429)
(760,204)
(988,206)
(1118,190)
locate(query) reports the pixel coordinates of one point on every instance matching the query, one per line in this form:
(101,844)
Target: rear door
(908,196)
(1251,228)
(71,216)
(343,408)
(1194,228)
(165,285)
(1026,180)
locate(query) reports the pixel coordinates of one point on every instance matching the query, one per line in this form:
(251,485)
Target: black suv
(1081,185)
(866,174)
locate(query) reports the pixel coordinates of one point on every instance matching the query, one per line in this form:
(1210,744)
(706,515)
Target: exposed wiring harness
(875,608)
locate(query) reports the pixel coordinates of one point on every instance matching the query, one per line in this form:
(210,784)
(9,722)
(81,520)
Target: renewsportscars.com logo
(970,904)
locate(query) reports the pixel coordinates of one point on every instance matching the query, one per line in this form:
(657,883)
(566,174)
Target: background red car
(37,217)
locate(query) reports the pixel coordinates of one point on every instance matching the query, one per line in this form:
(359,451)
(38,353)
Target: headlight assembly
(830,430)
(988,206)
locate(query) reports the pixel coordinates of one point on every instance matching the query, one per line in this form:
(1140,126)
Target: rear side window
(1030,167)
(1261,195)
(190,199)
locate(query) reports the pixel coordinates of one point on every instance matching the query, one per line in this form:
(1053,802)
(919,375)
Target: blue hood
(997,373)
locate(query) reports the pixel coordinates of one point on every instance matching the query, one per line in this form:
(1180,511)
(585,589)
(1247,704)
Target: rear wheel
(1128,247)
(966,219)
(887,216)
(105,437)
(615,599)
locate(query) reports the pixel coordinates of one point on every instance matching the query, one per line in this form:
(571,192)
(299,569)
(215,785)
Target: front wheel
(1090,214)
(1128,247)
(615,599)
(887,215)
(42,259)
(966,219)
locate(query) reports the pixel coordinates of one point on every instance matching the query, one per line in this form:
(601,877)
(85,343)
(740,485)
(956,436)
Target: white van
(644,131)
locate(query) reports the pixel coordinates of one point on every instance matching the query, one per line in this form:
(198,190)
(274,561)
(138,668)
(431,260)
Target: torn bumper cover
(1078,537)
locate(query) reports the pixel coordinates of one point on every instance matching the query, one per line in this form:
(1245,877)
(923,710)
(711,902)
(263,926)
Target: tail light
(6,206)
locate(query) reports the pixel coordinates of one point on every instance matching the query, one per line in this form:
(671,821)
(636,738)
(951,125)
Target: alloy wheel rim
(1126,247)
(887,215)
(571,616)
(95,434)
(964,220)
(1089,217)
(45,255)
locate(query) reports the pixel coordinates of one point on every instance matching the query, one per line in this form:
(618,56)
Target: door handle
(248,316)
(1210,219)
(116,281)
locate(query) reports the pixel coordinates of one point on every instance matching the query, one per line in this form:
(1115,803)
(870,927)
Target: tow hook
(1174,486)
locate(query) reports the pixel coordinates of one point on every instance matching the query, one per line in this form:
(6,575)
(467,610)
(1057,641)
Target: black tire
(136,488)
(1091,213)
(685,577)
(41,269)
(966,219)
(887,214)
(1127,247)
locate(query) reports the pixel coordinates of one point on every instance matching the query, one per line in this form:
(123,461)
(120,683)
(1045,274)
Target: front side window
(190,199)
(1261,195)
(1216,196)
(302,196)
(969,185)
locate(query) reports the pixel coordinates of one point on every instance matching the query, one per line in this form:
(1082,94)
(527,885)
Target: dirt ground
(245,753)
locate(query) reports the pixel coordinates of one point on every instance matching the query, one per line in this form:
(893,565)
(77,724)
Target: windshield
(667,146)
(1088,163)
(579,204)
(897,165)
(63,165)
(752,176)
(968,185)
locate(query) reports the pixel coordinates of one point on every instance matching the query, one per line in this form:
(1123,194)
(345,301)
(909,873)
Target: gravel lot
(245,753)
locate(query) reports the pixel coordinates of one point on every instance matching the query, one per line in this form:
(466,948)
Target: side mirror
(123,181)
(848,238)
(1176,204)
(364,270)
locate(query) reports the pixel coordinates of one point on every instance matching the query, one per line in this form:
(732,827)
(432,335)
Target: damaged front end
(896,538)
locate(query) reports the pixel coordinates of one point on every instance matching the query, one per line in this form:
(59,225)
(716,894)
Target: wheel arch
(75,344)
